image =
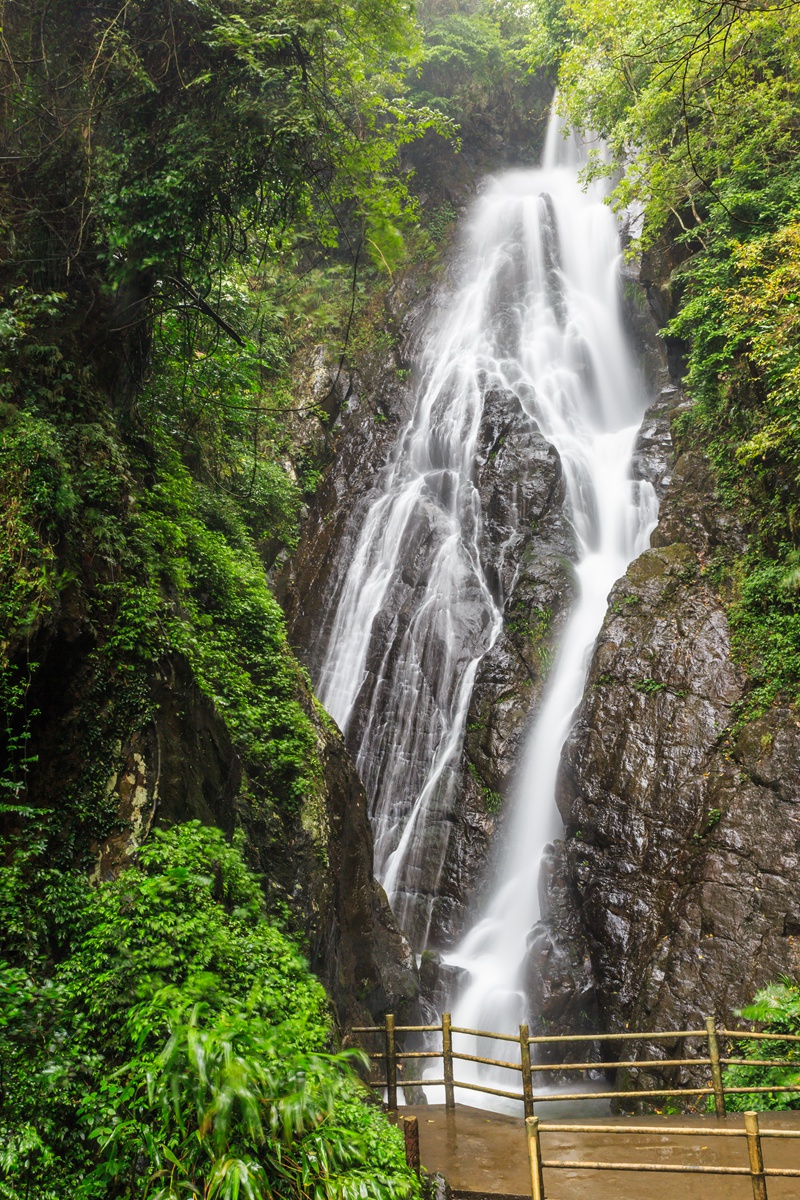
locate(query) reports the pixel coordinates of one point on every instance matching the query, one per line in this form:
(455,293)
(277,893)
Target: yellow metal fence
(755,1169)
(395,1060)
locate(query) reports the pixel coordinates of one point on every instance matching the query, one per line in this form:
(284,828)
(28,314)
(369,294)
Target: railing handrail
(751,1033)
(399,1028)
(649,1035)
(755,1170)
(630,1130)
(496,1037)
(535,1039)
(395,1058)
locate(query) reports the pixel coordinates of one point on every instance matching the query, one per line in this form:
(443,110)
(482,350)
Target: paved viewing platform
(485,1154)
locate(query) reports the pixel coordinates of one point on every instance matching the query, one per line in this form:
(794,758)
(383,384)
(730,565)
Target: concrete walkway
(486,1153)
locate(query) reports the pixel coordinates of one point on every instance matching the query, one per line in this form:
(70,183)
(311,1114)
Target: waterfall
(589,403)
(536,313)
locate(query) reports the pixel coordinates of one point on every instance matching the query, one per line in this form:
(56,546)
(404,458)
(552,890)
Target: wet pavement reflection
(486,1153)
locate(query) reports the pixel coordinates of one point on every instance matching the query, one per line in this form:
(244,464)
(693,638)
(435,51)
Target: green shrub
(180,1047)
(777,1008)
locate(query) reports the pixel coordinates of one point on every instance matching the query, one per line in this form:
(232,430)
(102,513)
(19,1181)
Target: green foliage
(712,819)
(473,69)
(470,57)
(739,313)
(228,624)
(649,686)
(440,222)
(169,564)
(777,1008)
(113,991)
(534,626)
(190,129)
(493,801)
(707,94)
(464,58)
(550,33)
(704,92)
(35,493)
(182,576)
(178,1048)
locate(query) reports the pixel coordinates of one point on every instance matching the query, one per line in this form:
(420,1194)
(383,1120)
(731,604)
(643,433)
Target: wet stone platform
(484,1154)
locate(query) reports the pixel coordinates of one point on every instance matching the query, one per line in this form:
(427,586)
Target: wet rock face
(366,415)
(528,551)
(438,982)
(356,946)
(681,858)
(652,455)
(559,973)
(633,785)
(691,513)
(181,766)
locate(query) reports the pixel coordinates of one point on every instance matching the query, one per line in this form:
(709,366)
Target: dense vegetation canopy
(180,1048)
(195,193)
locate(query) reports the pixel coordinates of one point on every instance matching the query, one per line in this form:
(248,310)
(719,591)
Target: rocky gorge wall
(174,760)
(527,553)
(673,892)
(682,833)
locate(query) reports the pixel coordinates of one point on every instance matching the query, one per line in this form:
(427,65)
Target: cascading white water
(589,402)
(416,693)
(415,613)
(537,314)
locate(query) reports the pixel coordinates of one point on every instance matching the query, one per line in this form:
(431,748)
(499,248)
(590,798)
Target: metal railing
(528,1068)
(755,1170)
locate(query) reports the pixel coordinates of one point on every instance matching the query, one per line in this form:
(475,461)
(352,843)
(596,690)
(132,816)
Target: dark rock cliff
(675,891)
(528,552)
(682,837)
(366,409)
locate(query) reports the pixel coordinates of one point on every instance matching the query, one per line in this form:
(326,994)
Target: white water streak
(589,404)
(536,314)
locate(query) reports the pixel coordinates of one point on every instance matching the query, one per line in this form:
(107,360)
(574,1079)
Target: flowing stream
(537,314)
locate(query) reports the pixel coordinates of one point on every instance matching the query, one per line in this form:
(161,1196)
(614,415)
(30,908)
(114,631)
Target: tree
(148,143)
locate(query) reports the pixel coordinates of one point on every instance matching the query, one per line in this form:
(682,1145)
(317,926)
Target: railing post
(756,1158)
(716,1069)
(535,1158)
(391,1064)
(447,1060)
(411,1135)
(527,1082)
